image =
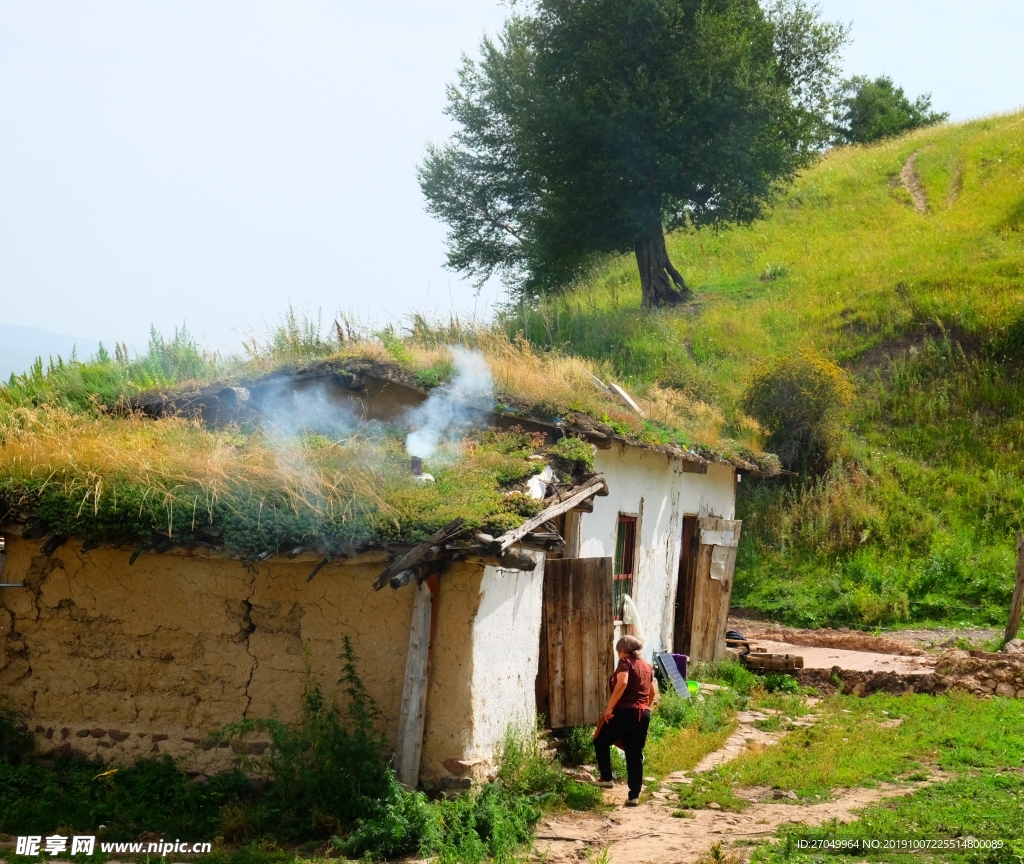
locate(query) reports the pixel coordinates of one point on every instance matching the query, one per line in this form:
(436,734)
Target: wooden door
(712,587)
(577,631)
(688,553)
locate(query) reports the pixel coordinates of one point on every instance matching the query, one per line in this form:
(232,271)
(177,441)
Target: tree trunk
(661,283)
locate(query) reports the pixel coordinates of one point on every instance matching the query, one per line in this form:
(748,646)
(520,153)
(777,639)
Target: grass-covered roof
(77,460)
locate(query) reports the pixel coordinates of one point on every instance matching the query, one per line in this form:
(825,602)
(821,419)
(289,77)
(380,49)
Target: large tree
(873,110)
(590,127)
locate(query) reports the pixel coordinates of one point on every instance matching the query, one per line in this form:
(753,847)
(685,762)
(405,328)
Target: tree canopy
(590,127)
(872,110)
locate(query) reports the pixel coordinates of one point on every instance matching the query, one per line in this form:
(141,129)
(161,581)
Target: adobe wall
(118,661)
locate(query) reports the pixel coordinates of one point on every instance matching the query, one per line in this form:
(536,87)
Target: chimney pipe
(417,466)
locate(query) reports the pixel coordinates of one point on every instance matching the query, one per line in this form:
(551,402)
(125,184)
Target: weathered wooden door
(577,631)
(712,587)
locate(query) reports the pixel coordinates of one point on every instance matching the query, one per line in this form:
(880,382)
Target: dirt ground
(908,643)
(941,638)
(850,640)
(855,661)
(649,834)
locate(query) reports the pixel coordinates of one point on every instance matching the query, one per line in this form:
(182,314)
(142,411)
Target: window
(625,558)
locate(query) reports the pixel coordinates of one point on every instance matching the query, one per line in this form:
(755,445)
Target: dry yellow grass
(177,460)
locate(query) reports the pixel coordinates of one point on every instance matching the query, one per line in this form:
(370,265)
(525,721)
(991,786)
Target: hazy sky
(211,161)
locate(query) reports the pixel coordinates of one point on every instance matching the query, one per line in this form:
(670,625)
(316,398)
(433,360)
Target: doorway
(683,631)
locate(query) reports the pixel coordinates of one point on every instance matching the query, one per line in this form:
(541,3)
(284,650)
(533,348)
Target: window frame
(627,527)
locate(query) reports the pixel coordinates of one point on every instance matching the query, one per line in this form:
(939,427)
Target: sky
(210,162)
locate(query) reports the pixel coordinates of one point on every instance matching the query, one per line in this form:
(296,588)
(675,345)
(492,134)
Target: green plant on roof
(576,453)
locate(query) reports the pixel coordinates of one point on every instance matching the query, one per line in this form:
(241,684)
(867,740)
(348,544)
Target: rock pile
(984,673)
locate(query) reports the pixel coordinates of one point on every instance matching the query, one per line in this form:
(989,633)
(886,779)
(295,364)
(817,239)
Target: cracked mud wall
(119,661)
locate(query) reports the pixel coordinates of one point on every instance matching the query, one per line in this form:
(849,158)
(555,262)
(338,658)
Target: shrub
(577,747)
(15,740)
(576,454)
(772,272)
(394,825)
(325,774)
(151,795)
(802,399)
(780,682)
(708,713)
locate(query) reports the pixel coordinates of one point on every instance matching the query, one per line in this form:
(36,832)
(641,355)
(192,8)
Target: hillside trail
(649,834)
(912,183)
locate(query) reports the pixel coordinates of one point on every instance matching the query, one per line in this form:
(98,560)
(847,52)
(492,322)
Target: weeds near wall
(326,773)
(326,779)
(15,741)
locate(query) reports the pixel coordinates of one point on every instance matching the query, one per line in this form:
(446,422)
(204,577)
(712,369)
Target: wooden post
(414,691)
(1018,592)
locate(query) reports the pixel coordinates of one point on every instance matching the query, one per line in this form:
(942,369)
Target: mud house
(190,558)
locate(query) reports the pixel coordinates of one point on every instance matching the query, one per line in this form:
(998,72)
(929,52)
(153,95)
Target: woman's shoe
(632,802)
(603,784)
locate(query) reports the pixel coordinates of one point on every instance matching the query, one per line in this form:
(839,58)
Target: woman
(627,717)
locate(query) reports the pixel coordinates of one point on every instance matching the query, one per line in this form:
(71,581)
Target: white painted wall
(506,642)
(506,630)
(653,487)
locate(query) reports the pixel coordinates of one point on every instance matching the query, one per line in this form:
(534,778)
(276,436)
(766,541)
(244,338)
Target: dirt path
(912,183)
(648,834)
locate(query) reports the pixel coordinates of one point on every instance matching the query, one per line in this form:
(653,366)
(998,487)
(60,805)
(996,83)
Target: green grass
(971,750)
(915,521)
(849,747)
(985,806)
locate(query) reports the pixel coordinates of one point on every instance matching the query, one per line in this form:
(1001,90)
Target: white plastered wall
(506,643)
(653,487)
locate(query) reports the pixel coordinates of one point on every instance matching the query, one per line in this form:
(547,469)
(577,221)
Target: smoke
(288,412)
(440,420)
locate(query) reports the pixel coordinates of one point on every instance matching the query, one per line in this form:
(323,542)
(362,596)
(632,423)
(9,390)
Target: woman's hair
(629,645)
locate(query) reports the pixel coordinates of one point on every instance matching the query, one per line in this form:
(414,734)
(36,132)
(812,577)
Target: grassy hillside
(915,521)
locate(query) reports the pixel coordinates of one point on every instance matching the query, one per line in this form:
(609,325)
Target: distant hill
(19,347)
(903,261)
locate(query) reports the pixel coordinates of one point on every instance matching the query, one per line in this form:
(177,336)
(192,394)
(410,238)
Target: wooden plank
(578,603)
(713,579)
(684,587)
(1013,625)
(571,534)
(724,598)
(419,552)
(605,660)
(553,591)
(595,486)
(542,686)
(414,692)
(573,647)
(701,641)
(590,649)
